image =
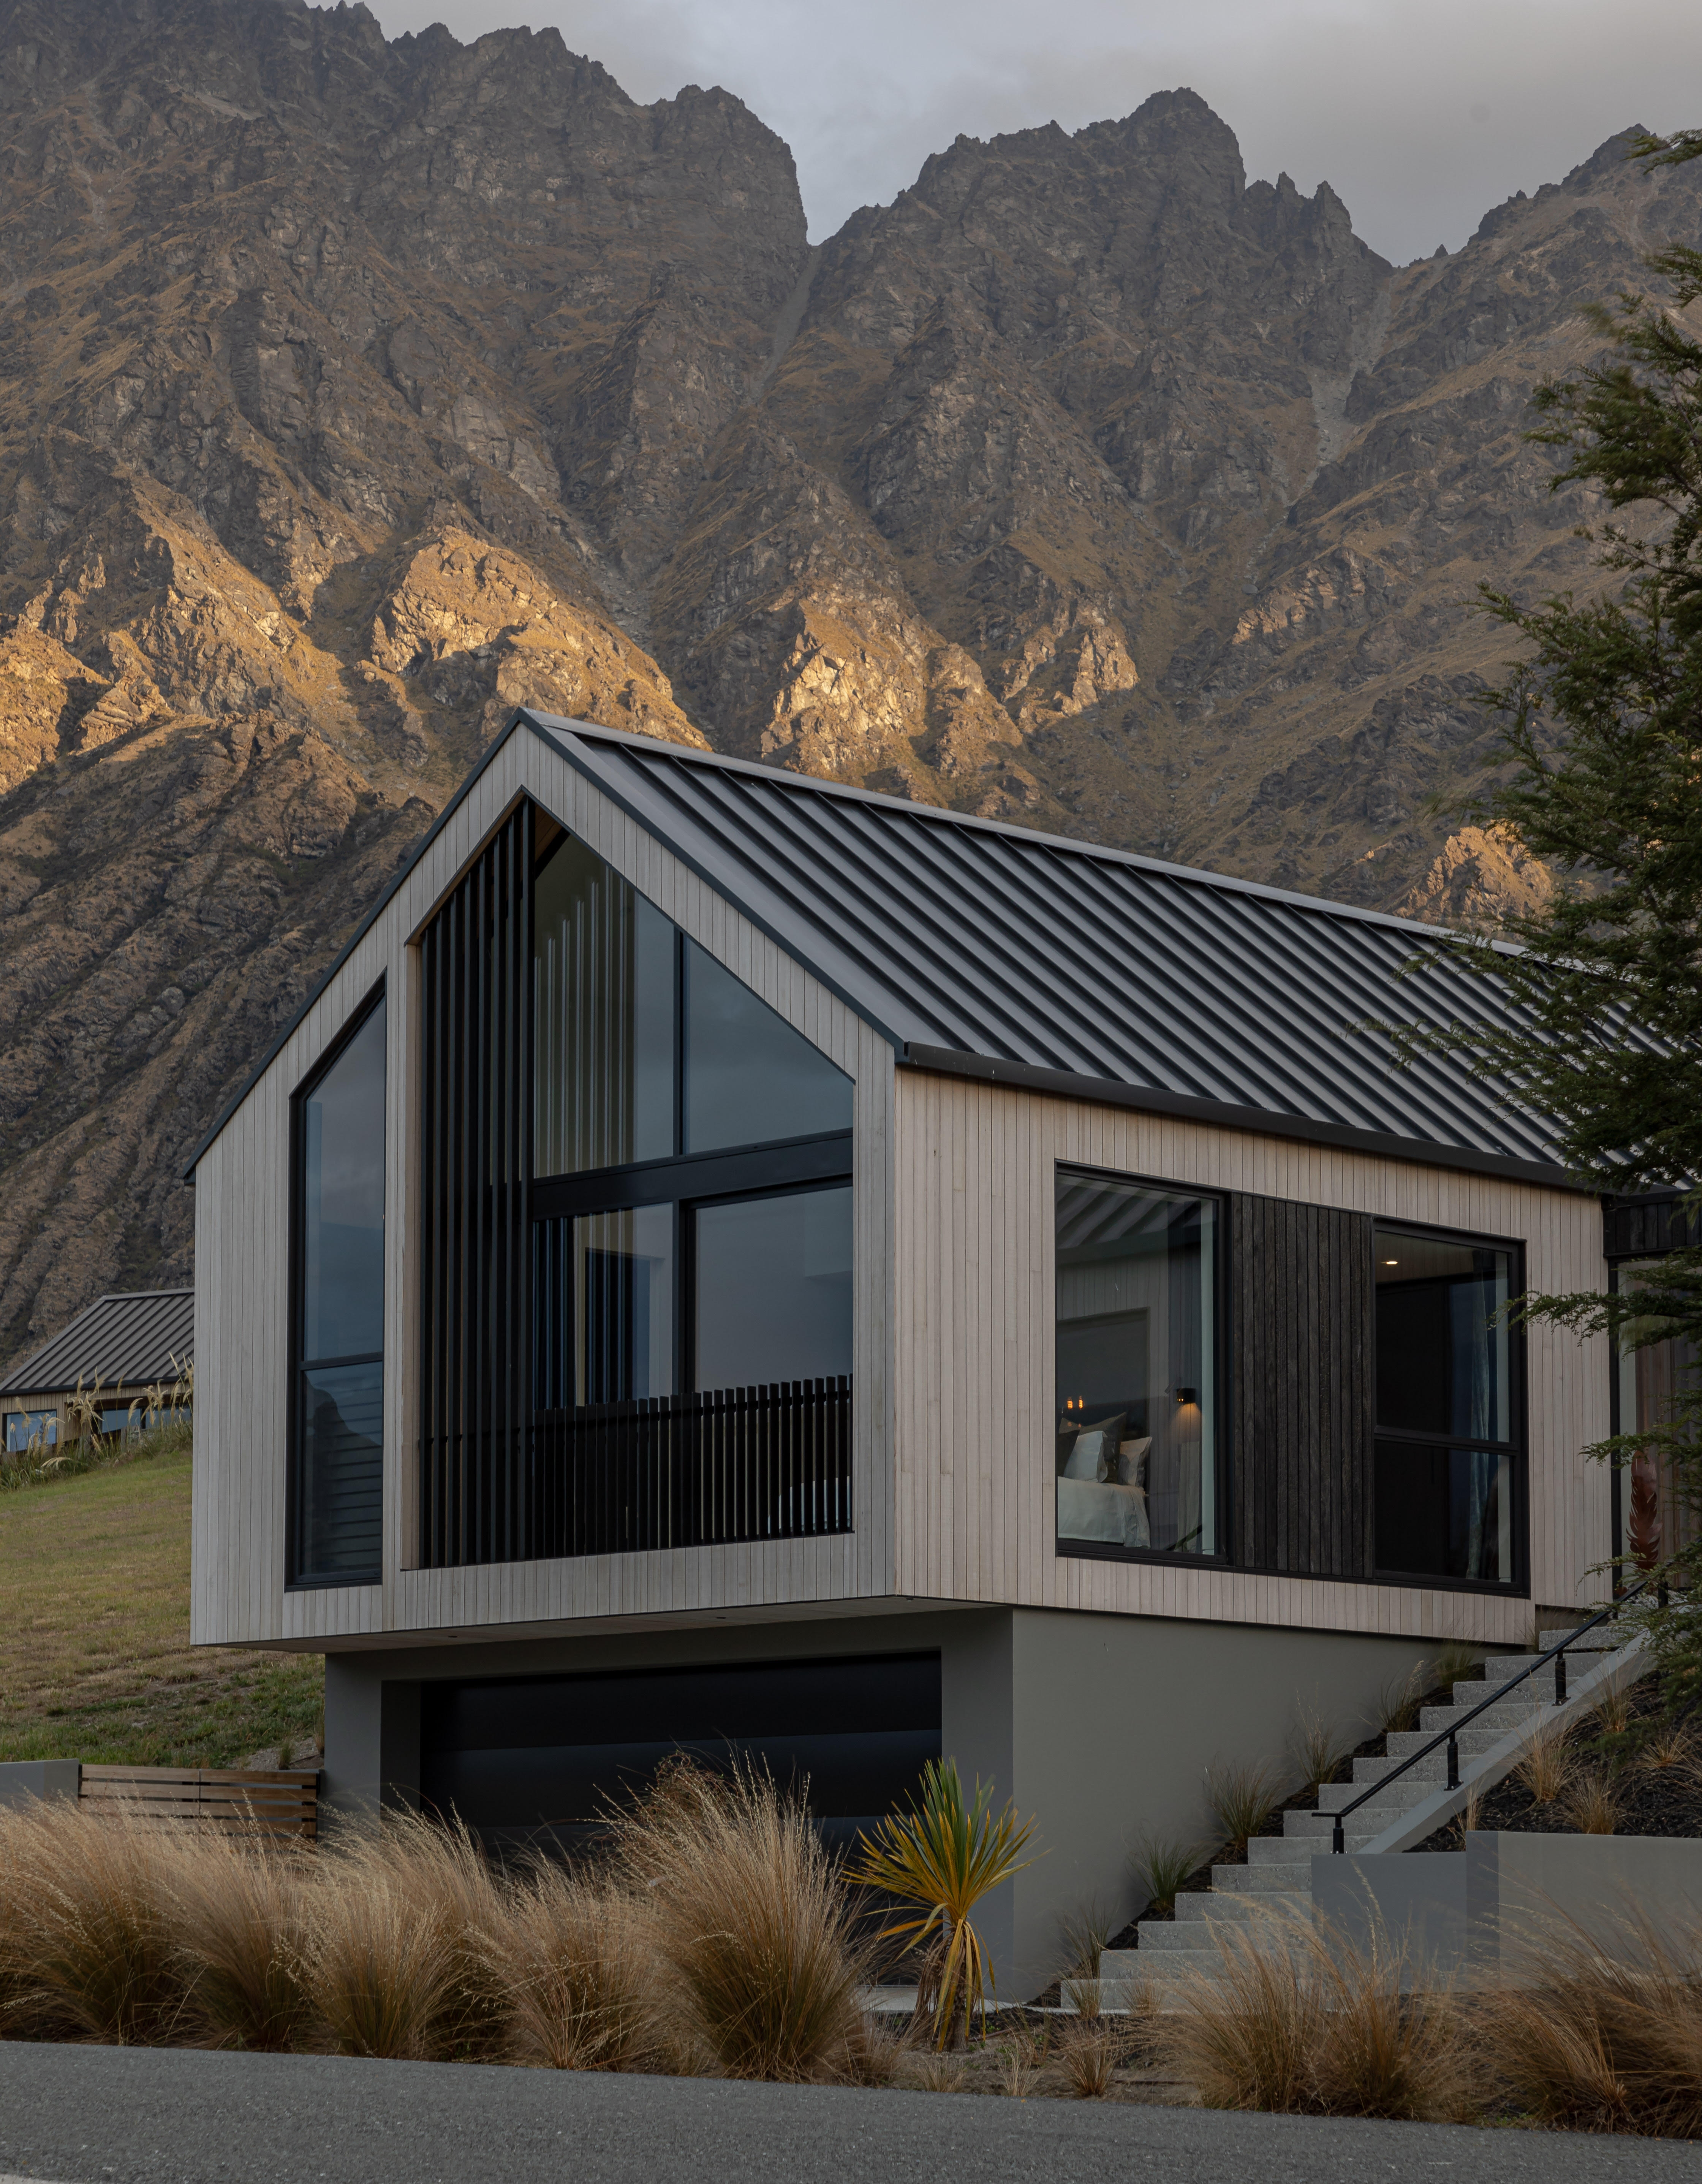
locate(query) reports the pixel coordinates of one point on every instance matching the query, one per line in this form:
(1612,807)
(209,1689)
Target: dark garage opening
(524,1759)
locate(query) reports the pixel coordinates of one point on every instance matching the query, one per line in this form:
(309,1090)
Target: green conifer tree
(1602,723)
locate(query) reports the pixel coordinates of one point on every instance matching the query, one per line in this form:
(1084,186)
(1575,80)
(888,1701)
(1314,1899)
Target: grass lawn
(94,1604)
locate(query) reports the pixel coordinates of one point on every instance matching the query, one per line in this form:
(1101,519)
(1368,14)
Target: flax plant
(941,1857)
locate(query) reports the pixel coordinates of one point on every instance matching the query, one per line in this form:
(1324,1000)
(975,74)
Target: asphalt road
(108,2115)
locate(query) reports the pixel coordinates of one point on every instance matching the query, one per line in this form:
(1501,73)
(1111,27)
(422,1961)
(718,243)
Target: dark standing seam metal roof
(128,1340)
(969,942)
(993,952)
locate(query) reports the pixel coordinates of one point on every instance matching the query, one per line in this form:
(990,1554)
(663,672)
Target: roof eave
(1111,1092)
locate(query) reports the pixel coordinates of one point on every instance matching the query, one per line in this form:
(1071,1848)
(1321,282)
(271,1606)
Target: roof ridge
(784,777)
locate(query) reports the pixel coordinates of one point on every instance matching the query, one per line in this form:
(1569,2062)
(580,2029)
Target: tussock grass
(750,1917)
(1303,2022)
(239,1911)
(1090,2054)
(1164,1863)
(1608,2034)
(581,1958)
(1547,1767)
(89,1925)
(1591,1801)
(1243,1798)
(1321,1748)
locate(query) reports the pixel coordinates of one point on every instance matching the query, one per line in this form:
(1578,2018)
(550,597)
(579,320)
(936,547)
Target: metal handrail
(1449,1736)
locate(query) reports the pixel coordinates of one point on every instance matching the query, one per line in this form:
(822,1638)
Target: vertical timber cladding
(1303,1360)
(475,1453)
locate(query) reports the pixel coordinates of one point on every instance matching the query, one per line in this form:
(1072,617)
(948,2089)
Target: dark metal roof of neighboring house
(127,1340)
(991,950)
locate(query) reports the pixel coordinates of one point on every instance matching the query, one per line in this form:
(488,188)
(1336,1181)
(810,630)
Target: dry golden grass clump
(1303,2022)
(750,1919)
(400,1955)
(1605,2035)
(240,1910)
(581,1958)
(87,1925)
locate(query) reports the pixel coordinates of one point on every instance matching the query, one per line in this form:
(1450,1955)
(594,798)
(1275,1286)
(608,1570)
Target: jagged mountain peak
(352,391)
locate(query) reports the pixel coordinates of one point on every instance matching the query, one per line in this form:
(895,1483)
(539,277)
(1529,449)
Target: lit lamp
(1187,1395)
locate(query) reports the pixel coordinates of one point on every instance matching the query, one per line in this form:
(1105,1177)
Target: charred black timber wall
(1302,1363)
(476,1441)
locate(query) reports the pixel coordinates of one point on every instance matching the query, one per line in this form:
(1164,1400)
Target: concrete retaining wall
(1472,1915)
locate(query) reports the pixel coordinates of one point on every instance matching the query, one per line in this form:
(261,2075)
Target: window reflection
(749,1076)
(342,1201)
(773,1290)
(1443,1379)
(1136,1366)
(1656,1517)
(603,972)
(339,1511)
(339,1315)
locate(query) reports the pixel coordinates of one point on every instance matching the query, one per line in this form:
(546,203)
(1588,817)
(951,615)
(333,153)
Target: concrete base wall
(1473,1915)
(23,1779)
(1100,1726)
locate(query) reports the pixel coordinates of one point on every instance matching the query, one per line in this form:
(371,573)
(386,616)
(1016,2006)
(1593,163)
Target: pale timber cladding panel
(242,1305)
(973,1374)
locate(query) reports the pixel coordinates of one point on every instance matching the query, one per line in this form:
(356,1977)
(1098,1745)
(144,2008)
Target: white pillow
(1131,1456)
(1087,1459)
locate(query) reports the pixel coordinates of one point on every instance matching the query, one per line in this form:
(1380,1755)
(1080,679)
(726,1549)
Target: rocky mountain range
(353,391)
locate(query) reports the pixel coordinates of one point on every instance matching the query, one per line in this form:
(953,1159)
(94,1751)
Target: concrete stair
(1278,1876)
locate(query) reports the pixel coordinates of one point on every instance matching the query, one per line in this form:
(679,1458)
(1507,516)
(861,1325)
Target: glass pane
(602,977)
(340,1489)
(1444,1512)
(1656,1519)
(342,1201)
(622,1287)
(749,1076)
(27,1429)
(774,1289)
(1136,1369)
(1443,1357)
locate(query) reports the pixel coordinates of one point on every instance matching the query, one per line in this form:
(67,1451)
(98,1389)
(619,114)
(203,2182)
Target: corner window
(1448,1457)
(1137,1367)
(338,1486)
(1654,1516)
(29,1430)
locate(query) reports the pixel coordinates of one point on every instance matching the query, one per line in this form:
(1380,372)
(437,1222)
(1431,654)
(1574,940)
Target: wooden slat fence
(281,1801)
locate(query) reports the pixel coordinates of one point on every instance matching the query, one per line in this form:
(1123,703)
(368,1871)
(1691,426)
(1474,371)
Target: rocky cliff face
(352,393)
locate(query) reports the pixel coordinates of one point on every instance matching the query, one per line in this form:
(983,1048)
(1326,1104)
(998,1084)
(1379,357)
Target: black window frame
(775,1166)
(294,1581)
(1223,1556)
(1518,1587)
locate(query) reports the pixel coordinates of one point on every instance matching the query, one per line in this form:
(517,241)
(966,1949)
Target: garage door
(522,1757)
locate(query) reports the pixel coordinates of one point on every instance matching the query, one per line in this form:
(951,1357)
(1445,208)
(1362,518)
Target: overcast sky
(1422,113)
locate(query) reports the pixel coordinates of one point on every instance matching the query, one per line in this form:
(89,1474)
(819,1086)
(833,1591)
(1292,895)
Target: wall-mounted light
(1187,1395)
(1391,1262)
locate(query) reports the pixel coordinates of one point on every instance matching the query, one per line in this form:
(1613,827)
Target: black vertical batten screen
(475,1413)
(1300,1288)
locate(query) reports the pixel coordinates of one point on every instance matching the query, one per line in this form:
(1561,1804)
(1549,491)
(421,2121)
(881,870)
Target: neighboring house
(725,1257)
(126,1344)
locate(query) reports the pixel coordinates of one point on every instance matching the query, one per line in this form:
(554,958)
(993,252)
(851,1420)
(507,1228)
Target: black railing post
(1339,1839)
(1452,1761)
(1559,1680)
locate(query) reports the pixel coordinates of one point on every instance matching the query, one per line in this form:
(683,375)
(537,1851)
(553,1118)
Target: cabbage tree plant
(939,1859)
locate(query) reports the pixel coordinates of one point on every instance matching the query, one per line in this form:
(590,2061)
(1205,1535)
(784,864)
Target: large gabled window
(669,1362)
(691,1156)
